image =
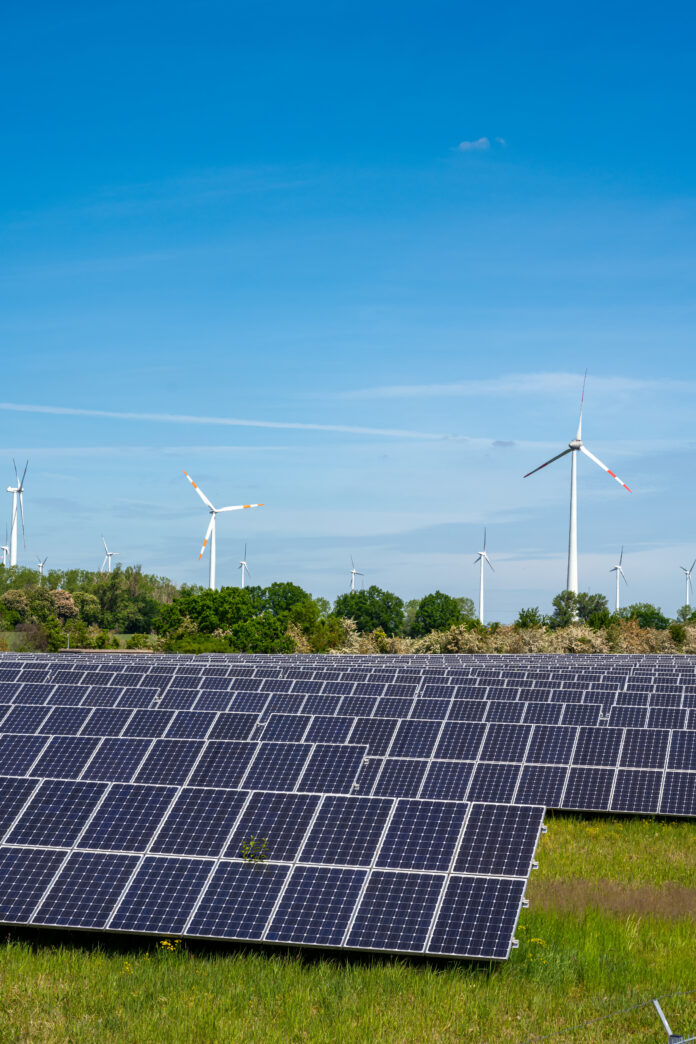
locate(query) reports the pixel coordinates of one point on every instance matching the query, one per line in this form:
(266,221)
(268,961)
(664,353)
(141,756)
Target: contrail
(171,418)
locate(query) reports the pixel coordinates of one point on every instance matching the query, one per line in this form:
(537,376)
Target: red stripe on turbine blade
(613,475)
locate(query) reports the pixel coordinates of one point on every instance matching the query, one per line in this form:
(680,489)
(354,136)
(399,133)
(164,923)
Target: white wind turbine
(618,569)
(573,447)
(40,565)
(243,566)
(108,555)
(353,573)
(687,574)
(5,548)
(210,531)
(17,500)
(482,557)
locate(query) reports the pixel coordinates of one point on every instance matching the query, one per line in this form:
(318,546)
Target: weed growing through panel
(255,850)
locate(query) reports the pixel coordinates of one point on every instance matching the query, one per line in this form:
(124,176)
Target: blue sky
(392,237)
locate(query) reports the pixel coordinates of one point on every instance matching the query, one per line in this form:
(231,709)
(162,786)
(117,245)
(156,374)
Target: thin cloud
(170,418)
(519,384)
(480,145)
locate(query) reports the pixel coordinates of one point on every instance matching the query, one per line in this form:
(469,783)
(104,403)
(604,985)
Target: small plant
(255,849)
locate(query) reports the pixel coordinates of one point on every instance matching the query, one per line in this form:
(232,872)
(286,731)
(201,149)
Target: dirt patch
(575,895)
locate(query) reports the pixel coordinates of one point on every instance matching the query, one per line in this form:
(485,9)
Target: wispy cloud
(236,422)
(520,384)
(479,145)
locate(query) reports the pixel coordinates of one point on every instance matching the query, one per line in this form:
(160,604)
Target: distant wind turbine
(40,565)
(5,548)
(17,501)
(482,557)
(353,573)
(573,447)
(108,555)
(687,574)
(618,569)
(243,566)
(210,531)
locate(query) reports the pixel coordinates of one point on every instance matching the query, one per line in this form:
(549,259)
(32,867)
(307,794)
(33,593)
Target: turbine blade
(604,467)
(621,555)
(207,535)
(484,538)
(24,475)
(236,507)
(489,562)
(199,491)
(692,566)
(557,457)
(104,543)
(102,565)
(582,403)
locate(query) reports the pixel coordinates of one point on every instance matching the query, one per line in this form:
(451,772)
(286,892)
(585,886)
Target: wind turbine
(618,569)
(210,531)
(353,573)
(41,565)
(108,555)
(687,574)
(17,499)
(482,557)
(5,548)
(573,447)
(243,566)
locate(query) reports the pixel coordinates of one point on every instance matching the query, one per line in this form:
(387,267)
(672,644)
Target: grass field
(611,923)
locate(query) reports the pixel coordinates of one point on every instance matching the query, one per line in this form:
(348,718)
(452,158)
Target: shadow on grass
(118,944)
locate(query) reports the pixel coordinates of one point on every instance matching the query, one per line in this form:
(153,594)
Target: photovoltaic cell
(500,840)
(396,911)
(162,895)
(477,917)
(56,814)
(239,900)
(116,760)
(332,768)
(86,889)
(281,820)
(422,835)
(127,818)
(25,874)
(199,823)
(347,831)
(316,905)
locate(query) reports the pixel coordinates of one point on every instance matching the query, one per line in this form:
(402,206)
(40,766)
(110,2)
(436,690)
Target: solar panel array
(399,797)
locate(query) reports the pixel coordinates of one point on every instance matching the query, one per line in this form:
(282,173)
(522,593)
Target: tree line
(107,610)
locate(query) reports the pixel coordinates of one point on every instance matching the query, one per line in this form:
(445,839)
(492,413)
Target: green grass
(570,966)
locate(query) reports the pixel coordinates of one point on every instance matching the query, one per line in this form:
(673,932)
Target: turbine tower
(687,574)
(575,446)
(108,555)
(210,531)
(618,569)
(40,565)
(482,557)
(353,573)
(17,500)
(5,548)
(243,566)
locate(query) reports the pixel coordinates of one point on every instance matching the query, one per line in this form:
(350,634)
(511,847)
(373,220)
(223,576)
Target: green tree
(466,608)
(371,609)
(435,612)
(645,615)
(565,609)
(590,605)
(529,618)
